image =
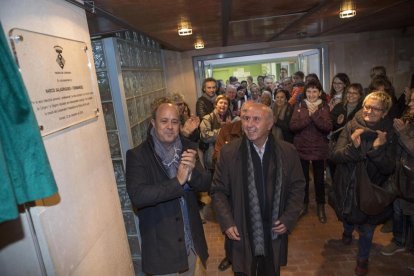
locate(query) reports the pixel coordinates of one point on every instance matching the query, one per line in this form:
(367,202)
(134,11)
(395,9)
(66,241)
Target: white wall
(353,54)
(82,232)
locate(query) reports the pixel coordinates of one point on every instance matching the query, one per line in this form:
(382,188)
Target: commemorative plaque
(58,78)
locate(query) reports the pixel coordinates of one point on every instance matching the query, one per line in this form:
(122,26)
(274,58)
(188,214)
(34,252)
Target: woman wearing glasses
(339,83)
(366,138)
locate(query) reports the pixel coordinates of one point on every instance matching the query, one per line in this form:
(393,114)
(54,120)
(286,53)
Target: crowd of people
(248,136)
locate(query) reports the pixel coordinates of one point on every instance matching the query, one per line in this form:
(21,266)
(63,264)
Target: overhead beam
(295,22)
(96,11)
(225,20)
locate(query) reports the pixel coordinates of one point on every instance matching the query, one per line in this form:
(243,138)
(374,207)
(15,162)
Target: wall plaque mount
(57,73)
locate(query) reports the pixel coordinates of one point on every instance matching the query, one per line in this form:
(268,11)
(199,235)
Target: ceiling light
(184,28)
(199,43)
(347,9)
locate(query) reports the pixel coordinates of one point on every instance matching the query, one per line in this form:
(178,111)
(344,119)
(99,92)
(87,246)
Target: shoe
(304,210)
(391,249)
(361,268)
(387,227)
(346,240)
(321,213)
(224,264)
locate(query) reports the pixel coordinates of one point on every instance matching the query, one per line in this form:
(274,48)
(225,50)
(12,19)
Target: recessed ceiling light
(347,9)
(184,28)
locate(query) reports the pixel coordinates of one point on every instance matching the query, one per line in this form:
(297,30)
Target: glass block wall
(130,76)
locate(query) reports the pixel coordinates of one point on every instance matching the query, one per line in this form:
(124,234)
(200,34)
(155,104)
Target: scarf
(170,156)
(254,208)
(317,103)
(255,217)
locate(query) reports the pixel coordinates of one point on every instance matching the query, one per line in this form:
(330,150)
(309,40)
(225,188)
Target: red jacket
(310,132)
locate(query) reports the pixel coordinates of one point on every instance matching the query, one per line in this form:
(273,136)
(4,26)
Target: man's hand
(232,233)
(187,164)
(279,228)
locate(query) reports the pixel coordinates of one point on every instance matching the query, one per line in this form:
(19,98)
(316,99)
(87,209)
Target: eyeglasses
(373,108)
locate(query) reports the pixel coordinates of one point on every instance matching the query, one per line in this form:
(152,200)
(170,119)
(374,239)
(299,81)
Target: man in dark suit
(162,178)
(257,194)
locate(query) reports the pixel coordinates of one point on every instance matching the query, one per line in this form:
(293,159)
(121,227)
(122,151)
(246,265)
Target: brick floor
(316,249)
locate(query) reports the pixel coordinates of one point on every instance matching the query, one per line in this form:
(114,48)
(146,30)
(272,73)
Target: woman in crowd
(311,123)
(365,141)
(343,113)
(210,127)
(188,122)
(255,93)
(404,206)
(266,98)
(339,83)
(282,112)
(382,83)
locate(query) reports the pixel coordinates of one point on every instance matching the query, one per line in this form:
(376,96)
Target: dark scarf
(255,214)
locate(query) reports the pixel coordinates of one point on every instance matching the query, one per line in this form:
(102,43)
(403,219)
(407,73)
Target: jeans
(318,179)
(366,233)
(398,224)
(348,228)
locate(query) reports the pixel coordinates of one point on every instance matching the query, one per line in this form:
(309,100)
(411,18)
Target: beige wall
(83,233)
(353,54)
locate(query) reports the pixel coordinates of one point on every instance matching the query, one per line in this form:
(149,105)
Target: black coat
(156,197)
(380,164)
(229,198)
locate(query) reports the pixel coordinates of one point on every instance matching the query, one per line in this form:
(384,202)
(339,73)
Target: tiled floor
(316,249)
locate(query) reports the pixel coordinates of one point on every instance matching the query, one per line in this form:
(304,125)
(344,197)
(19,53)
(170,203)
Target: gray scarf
(254,205)
(170,157)
(254,208)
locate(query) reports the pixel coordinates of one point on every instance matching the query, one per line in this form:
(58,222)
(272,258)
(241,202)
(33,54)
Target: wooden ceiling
(235,22)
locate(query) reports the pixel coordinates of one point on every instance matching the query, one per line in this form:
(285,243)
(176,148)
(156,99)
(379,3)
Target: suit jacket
(156,197)
(228,198)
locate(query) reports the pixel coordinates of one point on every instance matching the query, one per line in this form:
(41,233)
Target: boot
(321,213)
(304,210)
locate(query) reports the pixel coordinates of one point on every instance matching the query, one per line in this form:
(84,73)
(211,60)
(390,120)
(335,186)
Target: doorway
(309,59)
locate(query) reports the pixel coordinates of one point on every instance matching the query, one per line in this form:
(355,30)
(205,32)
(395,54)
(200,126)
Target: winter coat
(338,111)
(283,125)
(204,106)
(209,129)
(156,198)
(380,164)
(405,168)
(229,198)
(310,132)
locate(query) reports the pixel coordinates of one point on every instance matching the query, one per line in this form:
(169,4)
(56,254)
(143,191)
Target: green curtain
(25,172)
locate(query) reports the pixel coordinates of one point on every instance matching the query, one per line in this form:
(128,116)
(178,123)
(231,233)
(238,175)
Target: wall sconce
(199,43)
(347,9)
(184,28)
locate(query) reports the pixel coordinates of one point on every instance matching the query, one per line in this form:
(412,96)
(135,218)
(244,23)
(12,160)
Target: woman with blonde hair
(364,148)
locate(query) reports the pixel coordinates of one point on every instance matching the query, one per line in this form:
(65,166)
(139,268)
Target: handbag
(373,199)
